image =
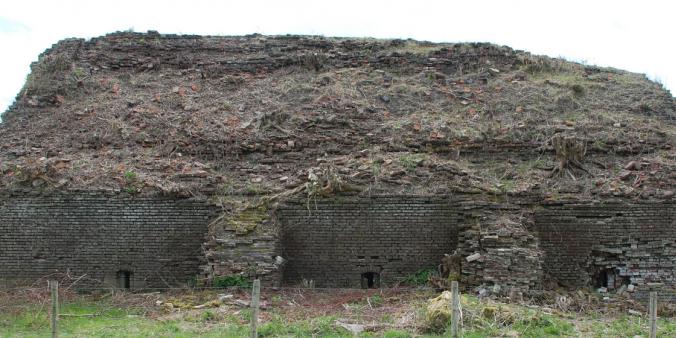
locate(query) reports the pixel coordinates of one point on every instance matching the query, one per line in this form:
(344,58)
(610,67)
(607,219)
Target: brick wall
(636,243)
(337,240)
(156,239)
(165,241)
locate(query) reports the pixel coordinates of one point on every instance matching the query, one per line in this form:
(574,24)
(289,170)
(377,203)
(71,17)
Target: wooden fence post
(54,290)
(255,298)
(653,314)
(455,300)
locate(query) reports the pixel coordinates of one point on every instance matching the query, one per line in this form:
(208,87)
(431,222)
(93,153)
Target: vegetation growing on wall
(249,122)
(232,280)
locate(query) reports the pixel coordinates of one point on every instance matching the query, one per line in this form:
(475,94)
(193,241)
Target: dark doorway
(370,280)
(601,279)
(124,279)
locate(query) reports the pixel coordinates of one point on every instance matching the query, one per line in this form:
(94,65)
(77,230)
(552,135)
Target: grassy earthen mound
(258,117)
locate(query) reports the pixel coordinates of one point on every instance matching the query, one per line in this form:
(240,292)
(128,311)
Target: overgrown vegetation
(411,161)
(421,277)
(306,313)
(132,183)
(232,280)
(48,75)
(402,123)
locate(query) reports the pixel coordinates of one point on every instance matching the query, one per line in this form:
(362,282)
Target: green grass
(420,277)
(130,176)
(107,322)
(317,327)
(231,280)
(411,161)
(537,325)
(396,334)
(629,326)
(115,321)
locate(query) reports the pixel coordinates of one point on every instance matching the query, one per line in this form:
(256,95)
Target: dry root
(570,152)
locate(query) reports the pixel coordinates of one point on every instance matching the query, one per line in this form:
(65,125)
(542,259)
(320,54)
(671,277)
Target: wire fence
(48,301)
(35,294)
(41,300)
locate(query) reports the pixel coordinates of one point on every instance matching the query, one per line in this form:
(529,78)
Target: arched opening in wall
(124,279)
(370,280)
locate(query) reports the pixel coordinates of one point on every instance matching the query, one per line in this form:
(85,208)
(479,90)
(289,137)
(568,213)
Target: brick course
(156,239)
(335,241)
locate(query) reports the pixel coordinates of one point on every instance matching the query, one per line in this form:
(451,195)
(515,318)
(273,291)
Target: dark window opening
(601,279)
(375,257)
(124,279)
(370,280)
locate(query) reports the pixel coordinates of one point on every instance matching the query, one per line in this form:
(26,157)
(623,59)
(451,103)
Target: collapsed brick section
(610,245)
(359,242)
(243,243)
(498,249)
(154,241)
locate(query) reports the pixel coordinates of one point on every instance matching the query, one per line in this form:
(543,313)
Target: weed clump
(411,161)
(231,280)
(420,278)
(577,89)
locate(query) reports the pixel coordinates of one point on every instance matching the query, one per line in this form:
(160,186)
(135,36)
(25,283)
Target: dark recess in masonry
(124,279)
(370,280)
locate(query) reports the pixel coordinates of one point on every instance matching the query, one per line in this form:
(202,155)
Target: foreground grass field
(303,313)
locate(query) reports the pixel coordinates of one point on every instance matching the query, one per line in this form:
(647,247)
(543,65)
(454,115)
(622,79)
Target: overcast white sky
(632,35)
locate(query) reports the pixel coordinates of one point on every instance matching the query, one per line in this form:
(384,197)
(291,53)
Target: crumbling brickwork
(156,240)
(335,242)
(243,243)
(610,245)
(497,248)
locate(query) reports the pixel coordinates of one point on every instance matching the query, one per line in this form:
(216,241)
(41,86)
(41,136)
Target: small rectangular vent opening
(370,280)
(124,279)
